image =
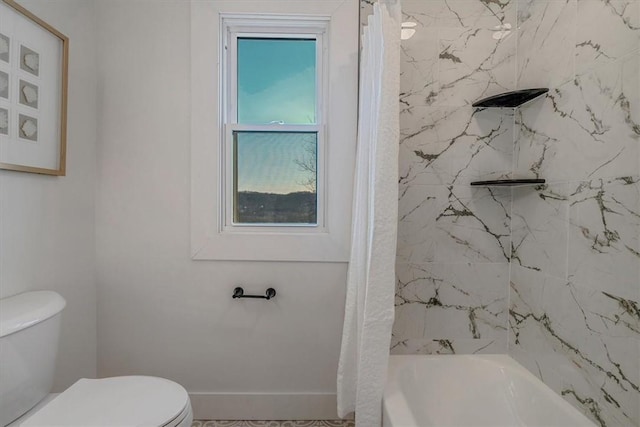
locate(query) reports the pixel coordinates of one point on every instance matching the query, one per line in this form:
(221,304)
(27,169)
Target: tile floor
(335,423)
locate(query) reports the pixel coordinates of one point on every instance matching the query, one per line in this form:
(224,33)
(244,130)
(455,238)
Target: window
(273,129)
(273,119)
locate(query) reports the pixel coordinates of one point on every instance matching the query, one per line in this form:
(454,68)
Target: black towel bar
(239,293)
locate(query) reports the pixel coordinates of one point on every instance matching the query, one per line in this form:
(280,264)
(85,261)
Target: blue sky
(276,83)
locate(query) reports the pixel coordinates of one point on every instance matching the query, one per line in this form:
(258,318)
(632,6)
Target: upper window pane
(276,81)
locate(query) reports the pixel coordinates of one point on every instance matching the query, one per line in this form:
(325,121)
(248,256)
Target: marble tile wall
(574,314)
(549,274)
(453,240)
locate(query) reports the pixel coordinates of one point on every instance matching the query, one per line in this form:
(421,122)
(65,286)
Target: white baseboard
(266,406)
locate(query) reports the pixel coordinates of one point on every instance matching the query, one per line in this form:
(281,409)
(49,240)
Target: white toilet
(29,330)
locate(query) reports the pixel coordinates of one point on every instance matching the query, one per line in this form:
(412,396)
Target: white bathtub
(471,391)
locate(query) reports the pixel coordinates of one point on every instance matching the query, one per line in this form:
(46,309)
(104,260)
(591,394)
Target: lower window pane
(275,177)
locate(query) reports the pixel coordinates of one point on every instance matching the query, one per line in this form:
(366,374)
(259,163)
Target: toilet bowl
(29,329)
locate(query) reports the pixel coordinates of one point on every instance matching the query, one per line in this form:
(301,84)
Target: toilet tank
(29,331)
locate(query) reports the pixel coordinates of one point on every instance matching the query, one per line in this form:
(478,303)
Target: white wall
(159,312)
(47,223)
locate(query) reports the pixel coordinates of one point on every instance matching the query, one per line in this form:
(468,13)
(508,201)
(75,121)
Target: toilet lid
(114,402)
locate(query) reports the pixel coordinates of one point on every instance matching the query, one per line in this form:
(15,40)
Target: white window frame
(236,26)
(211,239)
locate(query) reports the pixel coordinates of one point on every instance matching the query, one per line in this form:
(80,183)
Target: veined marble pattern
(401,345)
(574,312)
(588,234)
(453,224)
(455,58)
(575,272)
(472,64)
(437,301)
(546,42)
(457,13)
(586,128)
(454,241)
(455,145)
(606,30)
(210,423)
(604,243)
(539,228)
(559,40)
(580,342)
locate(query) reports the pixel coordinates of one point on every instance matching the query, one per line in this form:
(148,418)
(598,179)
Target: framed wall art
(34,59)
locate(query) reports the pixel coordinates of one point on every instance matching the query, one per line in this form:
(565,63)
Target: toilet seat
(117,402)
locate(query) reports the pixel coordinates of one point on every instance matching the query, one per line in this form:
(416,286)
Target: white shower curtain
(369,306)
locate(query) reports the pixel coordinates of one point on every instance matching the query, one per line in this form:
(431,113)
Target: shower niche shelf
(509,182)
(511,99)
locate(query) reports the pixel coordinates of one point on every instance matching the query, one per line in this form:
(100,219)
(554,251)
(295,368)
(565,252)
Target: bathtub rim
(396,410)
